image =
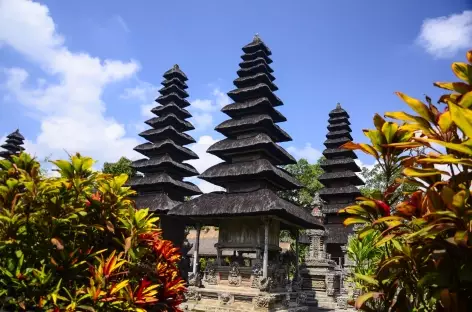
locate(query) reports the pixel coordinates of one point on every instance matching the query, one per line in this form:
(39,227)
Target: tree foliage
(308,175)
(122,166)
(77,243)
(427,264)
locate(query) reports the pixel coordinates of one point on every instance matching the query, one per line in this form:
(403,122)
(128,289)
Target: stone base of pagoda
(242,299)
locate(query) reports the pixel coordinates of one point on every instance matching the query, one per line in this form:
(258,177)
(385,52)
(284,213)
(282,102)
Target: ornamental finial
(176,66)
(256,38)
(338,105)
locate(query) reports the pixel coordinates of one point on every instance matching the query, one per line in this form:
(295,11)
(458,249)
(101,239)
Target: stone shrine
(13,145)
(249,214)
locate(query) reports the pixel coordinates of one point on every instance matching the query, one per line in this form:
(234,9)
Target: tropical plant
(77,243)
(427,265)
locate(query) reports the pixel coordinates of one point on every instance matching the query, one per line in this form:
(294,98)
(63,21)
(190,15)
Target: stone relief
(225,299)
(264,301)
(194,279)
(210,274)
(234,277)
(193,294)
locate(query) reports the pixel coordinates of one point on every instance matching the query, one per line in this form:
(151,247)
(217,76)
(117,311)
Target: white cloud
(202,121)
(68,99)
(218,100)
(444,36)
(143,91)
(307,152)
(221,98)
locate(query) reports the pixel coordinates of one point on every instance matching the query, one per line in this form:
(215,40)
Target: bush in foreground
(77,243)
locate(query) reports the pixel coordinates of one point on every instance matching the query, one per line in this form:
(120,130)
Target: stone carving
(210,274)
(265,284)
(256,274)
(194,279)
(264,301)
(234,277)
(341,301)
(225,298)
(301,298)
(193,294)
(330,284)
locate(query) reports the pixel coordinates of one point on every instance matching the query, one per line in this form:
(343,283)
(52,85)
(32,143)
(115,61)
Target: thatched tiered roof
(162,186)
(13,145)
(251,155)
(339,177)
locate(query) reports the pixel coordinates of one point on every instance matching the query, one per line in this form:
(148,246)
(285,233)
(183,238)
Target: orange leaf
(58,243)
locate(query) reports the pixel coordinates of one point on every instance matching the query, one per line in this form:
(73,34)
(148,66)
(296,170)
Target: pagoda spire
(339,177)
(162,186)
(13,145)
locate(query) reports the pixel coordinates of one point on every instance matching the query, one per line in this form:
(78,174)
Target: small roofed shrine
(249,214)
(13,145)
(161,187)
(340,181)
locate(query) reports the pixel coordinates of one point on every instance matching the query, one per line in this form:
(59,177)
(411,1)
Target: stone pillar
(195,251)
(297,253)
(218,256)
(265,263)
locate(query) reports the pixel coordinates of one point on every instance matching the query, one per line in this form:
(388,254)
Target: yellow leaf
(121,179)
(445,121)
(378,121)
(119,286)
(376,138)
(384,240)
(463,71)
(417,172)
(459,199)
(389,129)
(446,159)
(407,117)
(462,117)
(356,220)
(466,100)
(459,87)
(419,107)
(87,163)
(469,56)
(463,148)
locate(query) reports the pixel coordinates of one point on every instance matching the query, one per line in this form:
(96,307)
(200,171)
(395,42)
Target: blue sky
(81,75)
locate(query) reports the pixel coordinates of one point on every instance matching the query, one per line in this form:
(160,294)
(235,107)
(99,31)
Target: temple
(249,214)
(161,187)
(13,145)
(340,181)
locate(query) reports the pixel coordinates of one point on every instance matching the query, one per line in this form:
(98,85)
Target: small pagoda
(249,213)
(161,187)
(13,145)
(340,181)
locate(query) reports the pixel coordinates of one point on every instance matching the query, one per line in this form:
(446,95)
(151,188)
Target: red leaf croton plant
(427,238)
(77,243)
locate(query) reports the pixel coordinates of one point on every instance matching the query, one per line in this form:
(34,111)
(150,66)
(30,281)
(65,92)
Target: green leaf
(65,167)
(368,279)
(458,87)
(463,71)
(466,100)
(389,129)
(384,240)
(357,220)
(378,121)
(461,237)
(417,172)
(445,121)
(462,117)
(419,107)
(362,299)
(121,179)
(463,148)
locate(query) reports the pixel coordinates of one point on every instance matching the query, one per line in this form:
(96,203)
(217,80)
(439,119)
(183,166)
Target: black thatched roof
(347,163)
(254,62)
(338,112)
(338,134)
(347,175)
(339,152)
(351,190)
(339,126)
(260,202)
(256,45)
(254,70)
(337,234)
(171,108)
(169,132)
(263,123)
(12,145)
(260,169)
(256,54)
(163,170)
(227,148)
(252,92)
(162,181)
(253,107)
(341,119)
(244,82)
(334,143)
(158,202)
(334,208)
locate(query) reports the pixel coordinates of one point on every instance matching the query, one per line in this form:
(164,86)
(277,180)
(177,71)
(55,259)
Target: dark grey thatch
(330,143)
(171,108)
(343,119)
(256,54)
(170,120)
(350,176)
(262,122)
(253,107)
(169,132)
(174,81)
(334,208)
(347,163)
(339,126)
(260,202)
(173,88)
(158,202)
(339,133)
(173,97)
(338,234)
(243,82)
(256,45)
(162,180)
(259,90)
(344,190)
(166,147)
(255,62)
(12,145)
(226,148)
(262,168)
(164,163)
(175,71)
(339,152)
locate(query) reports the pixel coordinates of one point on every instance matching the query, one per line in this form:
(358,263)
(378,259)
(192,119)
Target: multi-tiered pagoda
(162,186)
(249,213)
(13,145)
(340,180)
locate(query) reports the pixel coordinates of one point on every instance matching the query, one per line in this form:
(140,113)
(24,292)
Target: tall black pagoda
(339,178)
(250,172)
(13,145)
(162,187)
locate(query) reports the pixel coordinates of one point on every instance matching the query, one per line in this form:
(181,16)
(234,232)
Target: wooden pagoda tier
(339,177)
(13,145)
(250,151)
(162,186)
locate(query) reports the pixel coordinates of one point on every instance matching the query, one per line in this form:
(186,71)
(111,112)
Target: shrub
(77,243)
(427,264)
